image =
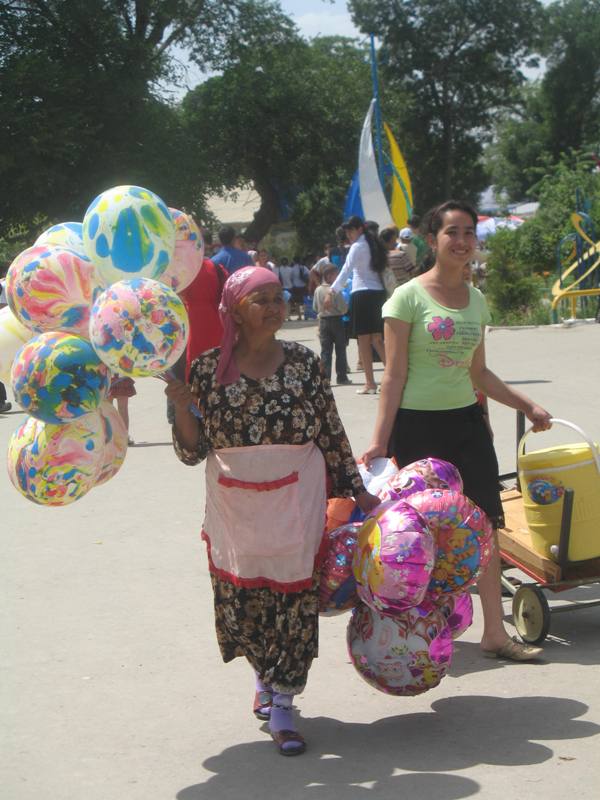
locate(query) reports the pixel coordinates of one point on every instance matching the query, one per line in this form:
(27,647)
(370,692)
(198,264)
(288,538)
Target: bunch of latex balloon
(405,571)
(86,302)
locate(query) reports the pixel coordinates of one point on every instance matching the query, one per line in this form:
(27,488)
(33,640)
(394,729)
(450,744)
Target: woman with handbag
(365,264)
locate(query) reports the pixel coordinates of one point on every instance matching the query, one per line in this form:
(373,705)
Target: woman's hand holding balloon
(367,502)
(179,393)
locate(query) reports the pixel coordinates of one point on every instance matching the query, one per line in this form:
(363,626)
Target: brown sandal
(281,738)
(262,705)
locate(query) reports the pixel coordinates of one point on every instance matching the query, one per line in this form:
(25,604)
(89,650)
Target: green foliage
(561,112)
(288,120)
(18,238)
(456,63)
(80,91)
(510,284)
(523,263)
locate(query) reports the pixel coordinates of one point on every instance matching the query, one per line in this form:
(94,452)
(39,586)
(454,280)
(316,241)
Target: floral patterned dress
(277,632)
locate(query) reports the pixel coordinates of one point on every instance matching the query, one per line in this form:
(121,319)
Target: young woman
(434,341)
(271,434)
(365,262)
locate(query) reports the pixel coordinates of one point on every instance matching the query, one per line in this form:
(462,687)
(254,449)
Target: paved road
(113,689)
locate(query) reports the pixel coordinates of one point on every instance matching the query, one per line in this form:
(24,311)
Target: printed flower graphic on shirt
(441,328)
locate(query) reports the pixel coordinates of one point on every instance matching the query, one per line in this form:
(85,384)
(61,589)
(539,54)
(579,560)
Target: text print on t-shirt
(452,339)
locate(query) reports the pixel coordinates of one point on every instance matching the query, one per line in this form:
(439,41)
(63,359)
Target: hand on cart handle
(539,417)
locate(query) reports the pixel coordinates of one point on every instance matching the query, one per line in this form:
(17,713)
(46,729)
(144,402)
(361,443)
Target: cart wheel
(531,613)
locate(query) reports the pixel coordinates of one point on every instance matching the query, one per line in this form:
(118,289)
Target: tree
(561,112)
(456,62)
(287,118)
(81,85)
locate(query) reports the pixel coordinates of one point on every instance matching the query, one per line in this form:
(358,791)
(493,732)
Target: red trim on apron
(263,486)
(266,583)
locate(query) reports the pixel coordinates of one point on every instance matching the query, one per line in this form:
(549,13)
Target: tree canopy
(561,111)
(287,119)
(455,62)
(81,85)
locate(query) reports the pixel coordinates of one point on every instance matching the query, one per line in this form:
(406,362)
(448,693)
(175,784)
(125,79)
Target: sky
(314,17)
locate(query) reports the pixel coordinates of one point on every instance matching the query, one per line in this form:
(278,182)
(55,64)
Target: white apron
(265,514)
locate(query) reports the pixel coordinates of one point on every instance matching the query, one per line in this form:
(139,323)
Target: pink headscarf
(242,283)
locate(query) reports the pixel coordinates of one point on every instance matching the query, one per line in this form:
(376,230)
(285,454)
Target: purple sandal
(262,705)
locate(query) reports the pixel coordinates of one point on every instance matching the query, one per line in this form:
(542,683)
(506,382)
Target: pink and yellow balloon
(463,535)
(115,442)
(188,253)
(50,288)
(393,558)
(54,465)
(139,327)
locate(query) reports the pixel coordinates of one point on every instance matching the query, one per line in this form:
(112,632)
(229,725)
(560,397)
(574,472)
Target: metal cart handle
(584,436)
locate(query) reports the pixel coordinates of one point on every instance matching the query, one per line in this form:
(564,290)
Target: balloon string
(167,377)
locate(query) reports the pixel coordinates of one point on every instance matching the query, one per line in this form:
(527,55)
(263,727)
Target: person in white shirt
(366,260)
(4,405)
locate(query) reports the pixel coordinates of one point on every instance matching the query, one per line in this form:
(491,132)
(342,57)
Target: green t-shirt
(440,346)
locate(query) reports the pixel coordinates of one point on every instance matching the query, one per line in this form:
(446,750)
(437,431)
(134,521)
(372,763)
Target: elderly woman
(271,436)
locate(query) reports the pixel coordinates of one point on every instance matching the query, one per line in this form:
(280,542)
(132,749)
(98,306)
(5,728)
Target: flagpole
(378,126)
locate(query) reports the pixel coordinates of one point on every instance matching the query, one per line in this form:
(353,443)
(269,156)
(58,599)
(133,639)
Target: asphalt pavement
(112,683)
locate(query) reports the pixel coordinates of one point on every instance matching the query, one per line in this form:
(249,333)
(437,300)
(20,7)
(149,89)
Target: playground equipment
(581,278)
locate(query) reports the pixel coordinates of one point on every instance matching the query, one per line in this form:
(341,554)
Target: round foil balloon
(458,610)
(128,232)
(337,589)
(427,473)
(54,465)
(404,655)
(51,289)
(394,558)
(463,535)
(68,235)
(139,327)
(188,253)
(13,336)
(57,377)
(115,442)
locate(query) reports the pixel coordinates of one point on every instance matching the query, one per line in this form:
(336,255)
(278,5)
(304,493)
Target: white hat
(406,233)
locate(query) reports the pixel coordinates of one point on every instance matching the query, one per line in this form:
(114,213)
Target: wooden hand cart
(531,610)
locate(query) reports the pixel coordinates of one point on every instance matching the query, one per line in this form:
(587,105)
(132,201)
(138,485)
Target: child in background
(121,389)
(332,330)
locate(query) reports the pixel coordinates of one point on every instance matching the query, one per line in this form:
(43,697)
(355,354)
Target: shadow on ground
(344,759)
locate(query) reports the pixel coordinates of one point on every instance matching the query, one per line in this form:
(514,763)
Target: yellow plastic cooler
(544,476)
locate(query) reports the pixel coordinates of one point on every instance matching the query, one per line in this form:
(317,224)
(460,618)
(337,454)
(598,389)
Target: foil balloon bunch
(405,571)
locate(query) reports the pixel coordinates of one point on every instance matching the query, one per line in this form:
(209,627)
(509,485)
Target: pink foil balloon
(404,655)
(464,538)
(337,589)
(394,558)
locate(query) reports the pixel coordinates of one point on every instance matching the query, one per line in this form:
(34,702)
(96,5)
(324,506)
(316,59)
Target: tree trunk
(268,213)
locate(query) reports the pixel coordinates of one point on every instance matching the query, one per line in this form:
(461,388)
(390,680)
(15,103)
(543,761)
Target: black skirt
(459,436)
(365,312)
